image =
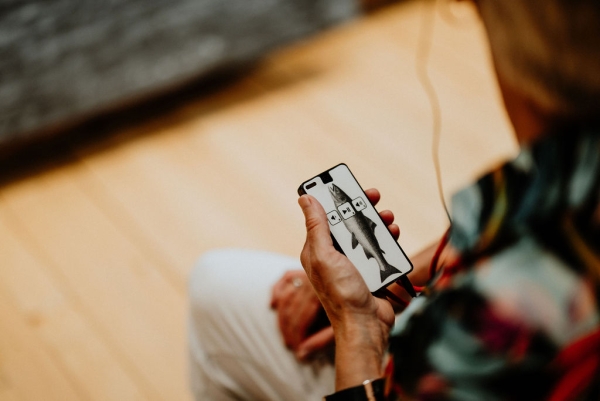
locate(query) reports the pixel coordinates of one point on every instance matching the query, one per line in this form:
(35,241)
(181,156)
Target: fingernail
(304,201)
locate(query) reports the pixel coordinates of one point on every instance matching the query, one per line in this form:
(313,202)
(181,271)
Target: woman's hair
(549,50)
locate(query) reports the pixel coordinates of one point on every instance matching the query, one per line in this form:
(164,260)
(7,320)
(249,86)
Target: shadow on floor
(95,133)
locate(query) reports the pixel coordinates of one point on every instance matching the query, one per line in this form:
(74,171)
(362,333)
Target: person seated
(509,308)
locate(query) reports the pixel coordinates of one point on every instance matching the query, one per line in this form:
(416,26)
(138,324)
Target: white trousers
(236,349)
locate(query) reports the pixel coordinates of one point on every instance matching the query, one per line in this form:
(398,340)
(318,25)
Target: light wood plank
(27,371)
(146,184)
(8,395)
(59,320)
(124,293)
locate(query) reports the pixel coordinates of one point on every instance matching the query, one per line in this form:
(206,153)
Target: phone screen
(357,228)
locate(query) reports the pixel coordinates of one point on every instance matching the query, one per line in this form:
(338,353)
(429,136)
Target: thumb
(315,343)
(317,227)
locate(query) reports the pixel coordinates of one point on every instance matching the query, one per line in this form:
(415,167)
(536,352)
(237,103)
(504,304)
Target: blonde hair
(549,50)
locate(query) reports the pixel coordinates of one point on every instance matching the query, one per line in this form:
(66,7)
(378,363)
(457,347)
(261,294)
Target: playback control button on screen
(359,204)
(333,217)
(346,210)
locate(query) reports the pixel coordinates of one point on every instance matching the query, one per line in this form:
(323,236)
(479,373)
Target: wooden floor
(96,252)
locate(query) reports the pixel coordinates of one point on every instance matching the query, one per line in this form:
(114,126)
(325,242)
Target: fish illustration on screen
(363,233)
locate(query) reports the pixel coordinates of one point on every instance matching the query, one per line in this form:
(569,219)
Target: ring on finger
(297,282)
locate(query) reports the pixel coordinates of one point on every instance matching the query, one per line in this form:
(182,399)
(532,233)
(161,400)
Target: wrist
(360,347)
(356,329)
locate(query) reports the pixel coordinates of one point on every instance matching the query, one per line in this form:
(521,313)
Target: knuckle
(312,222)
(321,258)
(304,260)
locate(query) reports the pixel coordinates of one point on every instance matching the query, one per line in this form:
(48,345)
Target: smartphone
(356,228)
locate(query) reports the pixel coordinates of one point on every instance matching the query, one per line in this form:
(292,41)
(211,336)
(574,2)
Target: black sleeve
(371,391)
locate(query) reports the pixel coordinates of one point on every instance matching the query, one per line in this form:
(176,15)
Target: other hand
(298,309)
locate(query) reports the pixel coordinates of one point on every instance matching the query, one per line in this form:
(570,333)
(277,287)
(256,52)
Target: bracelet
(369,390)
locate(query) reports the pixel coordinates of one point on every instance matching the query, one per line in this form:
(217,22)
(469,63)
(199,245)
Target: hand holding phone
(360,321)
(356,228)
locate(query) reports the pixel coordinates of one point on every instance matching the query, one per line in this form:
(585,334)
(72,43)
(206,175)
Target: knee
(225,278)
(208,277)
(219,277)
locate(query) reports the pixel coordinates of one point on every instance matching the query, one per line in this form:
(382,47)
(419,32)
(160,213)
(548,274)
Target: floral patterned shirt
(516,316)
